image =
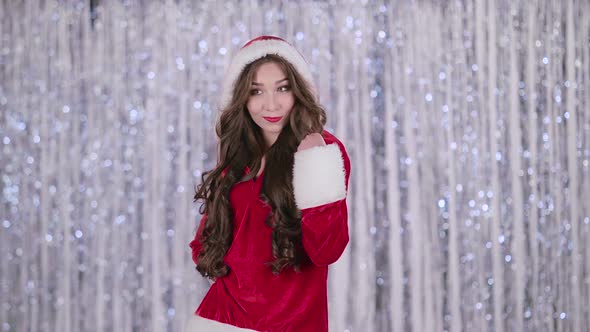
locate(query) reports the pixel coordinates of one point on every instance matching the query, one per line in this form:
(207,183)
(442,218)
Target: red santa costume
(250,297)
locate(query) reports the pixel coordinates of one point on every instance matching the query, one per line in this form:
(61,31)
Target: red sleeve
(325,232)
(195,244)
(321,184)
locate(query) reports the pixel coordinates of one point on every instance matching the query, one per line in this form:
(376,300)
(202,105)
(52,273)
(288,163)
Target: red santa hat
(256,49)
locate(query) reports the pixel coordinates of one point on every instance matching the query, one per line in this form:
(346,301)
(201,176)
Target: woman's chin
(273,129)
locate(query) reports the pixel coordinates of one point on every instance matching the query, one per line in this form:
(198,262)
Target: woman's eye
(284,88)
(254,92)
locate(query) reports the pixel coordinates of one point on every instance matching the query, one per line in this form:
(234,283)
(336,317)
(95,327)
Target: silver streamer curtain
(467,122)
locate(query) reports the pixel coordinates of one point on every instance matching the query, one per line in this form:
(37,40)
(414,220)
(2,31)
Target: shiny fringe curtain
(467,122)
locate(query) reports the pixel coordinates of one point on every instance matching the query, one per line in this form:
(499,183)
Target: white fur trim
(319,176)
(197,323)
(257,50)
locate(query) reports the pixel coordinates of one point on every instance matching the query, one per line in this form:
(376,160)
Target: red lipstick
(273,119)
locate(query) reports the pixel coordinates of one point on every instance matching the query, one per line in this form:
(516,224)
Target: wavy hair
(241,144)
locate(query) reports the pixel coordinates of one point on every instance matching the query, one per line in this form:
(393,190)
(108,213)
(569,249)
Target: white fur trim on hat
(256,50)
(319,176)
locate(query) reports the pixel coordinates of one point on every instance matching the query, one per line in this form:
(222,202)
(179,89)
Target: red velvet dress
(250,295)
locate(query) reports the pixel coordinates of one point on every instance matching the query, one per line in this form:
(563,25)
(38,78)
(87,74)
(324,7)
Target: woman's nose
(270,102)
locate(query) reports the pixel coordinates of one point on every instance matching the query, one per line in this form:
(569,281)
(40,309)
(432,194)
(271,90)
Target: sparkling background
(467,122)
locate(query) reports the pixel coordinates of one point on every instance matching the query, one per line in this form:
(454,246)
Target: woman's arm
(320,183)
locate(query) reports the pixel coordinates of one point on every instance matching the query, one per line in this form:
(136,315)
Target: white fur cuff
(318,176)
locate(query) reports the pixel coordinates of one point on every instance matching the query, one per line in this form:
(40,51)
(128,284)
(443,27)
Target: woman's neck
(270,139)
(262,163)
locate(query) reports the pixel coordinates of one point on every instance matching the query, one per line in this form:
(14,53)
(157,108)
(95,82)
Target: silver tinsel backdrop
(467,122)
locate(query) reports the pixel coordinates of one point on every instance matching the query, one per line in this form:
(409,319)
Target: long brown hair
(241,144)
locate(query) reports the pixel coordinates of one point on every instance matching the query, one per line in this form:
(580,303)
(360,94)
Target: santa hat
(256,49)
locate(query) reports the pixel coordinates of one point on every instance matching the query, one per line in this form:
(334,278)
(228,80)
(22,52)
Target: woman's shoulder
(330,138)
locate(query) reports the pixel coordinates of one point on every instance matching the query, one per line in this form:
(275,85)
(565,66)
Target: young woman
(274,210)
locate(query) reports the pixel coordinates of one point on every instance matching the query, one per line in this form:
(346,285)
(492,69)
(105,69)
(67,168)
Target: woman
(274,211)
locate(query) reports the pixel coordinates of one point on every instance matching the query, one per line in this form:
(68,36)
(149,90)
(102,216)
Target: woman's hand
(310,141)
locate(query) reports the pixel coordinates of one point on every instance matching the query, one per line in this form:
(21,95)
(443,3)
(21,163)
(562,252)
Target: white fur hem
(319,176)
(197,323)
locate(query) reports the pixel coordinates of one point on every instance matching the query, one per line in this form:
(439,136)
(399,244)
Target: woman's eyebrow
(277,82)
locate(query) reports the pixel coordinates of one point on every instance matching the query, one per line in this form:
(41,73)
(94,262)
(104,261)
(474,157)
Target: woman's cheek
(287,101)
(251,105)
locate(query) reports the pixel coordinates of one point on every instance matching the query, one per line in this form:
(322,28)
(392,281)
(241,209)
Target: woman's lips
(273,119)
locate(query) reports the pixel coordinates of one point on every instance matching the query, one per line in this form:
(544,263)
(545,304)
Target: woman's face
(271,100)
